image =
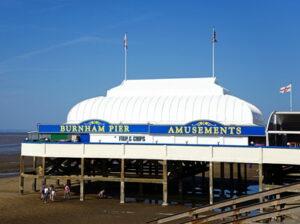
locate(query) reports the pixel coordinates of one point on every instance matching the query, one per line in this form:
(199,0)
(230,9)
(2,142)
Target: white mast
(213,40)
(291,96)
(125,50)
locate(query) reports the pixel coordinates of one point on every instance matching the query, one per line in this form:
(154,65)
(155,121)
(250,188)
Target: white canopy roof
(167,101)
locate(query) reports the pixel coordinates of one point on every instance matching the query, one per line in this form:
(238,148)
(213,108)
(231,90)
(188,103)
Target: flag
(125,42)
(214,36)
(286,89)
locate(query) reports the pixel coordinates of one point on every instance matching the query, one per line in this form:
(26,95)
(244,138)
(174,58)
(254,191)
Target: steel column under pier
(21,187)
(122,182)
(81,180)
(211,183)
(165,183)
(34,180)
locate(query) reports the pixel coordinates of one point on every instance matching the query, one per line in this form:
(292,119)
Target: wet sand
(28,208)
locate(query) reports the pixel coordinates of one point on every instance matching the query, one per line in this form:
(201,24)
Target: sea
(10,148)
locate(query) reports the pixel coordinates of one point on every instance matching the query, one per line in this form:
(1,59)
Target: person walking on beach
(42,189)
(52,192)
(101,194)
(67,191)
(46,194)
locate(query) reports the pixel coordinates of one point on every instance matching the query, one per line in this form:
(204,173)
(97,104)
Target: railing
(196,212)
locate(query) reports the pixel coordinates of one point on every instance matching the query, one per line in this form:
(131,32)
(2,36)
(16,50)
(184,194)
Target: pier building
(153,131)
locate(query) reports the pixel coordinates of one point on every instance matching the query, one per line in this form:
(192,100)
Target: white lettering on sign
(132,138)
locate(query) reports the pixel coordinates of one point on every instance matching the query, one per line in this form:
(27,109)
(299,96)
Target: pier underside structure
(146,163)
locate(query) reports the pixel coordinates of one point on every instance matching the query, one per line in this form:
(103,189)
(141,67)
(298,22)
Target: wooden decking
(236,210)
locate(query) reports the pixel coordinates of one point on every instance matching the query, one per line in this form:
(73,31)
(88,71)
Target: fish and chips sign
(192,128)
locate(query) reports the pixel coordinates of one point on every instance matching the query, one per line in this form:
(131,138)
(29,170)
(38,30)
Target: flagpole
(291,97)
(213,40)
(213,59)
(125,56)
(125,63)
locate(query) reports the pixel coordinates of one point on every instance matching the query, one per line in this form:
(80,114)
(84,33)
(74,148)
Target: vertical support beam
(239,175)
(260,177)
(141,174)
(231,179)
(211,183)
(21,187)
(43,169)
(180,182)
(260,182)
(245,178)
(165,183)
(33,187)
(122,184)
(203,174)
(222,173)
(82,180)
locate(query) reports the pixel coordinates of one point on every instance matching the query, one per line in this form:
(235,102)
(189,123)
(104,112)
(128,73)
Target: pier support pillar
(180,183)
(239,176)
(21,187)
(231,179)
(82,180)
(222,174)
(122,182)
(43,170)
(245,178)
(165,183)
(211,183)
(33,187)
(260,177)
(81,190)
(260,183)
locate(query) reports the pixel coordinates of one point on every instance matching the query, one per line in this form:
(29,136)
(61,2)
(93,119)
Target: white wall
(165,152)
(163,139)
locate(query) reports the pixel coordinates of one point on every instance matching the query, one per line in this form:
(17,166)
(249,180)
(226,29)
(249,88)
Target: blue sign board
(193,128)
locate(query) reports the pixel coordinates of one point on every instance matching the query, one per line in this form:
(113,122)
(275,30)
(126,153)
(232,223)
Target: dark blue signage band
(193,128)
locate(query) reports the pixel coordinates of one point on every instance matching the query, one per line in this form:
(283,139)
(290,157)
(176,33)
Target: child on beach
(67,191)
(46,194)
(42,190)
(101,194)
(52,192)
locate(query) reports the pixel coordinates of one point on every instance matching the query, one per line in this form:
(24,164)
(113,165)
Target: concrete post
(222,174)
(43,169)
(33,187)
(82,180)
(211,183)
(245,177)
(21,186)
(231,179)
(122,182)
(260,183)
(165,183)
(239,175)
(260,177)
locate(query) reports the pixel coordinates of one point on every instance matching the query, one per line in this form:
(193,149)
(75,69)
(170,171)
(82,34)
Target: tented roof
(167,101)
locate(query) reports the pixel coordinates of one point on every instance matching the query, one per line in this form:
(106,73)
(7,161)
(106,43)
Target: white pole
(125,64)
(125,51)
(213,59)
(291,96)
(213,40)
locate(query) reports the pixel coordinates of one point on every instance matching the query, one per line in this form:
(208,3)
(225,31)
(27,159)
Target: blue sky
(56,53)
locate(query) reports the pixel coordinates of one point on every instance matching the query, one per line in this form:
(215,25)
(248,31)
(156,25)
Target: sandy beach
(28,208)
